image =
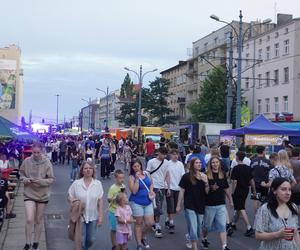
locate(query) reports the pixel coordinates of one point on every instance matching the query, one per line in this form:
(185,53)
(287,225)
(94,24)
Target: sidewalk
(12,235)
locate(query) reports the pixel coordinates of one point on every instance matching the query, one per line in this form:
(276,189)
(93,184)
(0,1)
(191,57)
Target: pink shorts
(122,238)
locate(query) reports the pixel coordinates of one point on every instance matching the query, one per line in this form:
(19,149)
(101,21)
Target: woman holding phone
(37,175)
(276,221)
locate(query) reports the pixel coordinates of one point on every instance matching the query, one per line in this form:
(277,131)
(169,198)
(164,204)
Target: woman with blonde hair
(282,169)
(89,191)
(215,207)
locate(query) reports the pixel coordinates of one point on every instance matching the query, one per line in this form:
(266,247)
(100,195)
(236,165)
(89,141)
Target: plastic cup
(289,230)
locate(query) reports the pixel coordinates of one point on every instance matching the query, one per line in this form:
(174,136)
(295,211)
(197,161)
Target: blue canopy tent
(261,125)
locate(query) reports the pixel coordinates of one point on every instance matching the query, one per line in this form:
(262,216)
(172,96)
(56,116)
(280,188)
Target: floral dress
(266,222)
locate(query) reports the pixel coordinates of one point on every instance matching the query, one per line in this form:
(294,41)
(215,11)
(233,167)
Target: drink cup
(289,230)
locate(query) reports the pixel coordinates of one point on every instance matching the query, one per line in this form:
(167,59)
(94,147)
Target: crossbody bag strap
(152,172)
(278,172)
(144,184)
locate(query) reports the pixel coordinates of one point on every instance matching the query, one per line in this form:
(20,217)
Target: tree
(126,87)
(211,105)
(155,102)
(129,109)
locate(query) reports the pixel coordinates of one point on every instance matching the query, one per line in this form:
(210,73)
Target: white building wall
(258,46)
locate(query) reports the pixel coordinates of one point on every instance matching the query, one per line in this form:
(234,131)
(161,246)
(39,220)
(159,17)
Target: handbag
(152,198)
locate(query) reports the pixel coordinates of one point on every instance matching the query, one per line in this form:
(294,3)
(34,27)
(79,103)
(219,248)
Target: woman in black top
(193,189)
(215,209)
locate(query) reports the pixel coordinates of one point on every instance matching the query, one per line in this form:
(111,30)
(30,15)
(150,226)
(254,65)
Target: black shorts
(295,198)
(262,191)
(40,202)
(172,201)
(239,199)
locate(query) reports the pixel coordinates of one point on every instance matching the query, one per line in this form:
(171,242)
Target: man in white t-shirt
(158,169)
(246,161)
(176,171)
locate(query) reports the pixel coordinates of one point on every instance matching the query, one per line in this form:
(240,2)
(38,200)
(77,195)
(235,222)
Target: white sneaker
(188,242)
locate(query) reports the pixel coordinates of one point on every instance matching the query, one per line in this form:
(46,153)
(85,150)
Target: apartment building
(271,70)
(111,106)
(177,90)
(187,76)
(11,83)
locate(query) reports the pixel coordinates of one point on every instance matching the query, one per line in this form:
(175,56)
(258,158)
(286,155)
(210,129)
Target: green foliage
(129,109)
(211,105)
(126,87)
(155,102)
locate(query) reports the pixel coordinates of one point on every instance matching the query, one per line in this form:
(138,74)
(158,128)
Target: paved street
(57,221)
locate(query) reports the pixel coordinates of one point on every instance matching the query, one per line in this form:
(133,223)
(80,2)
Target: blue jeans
(194,223)
(88,233)
(74,171)
(215,218)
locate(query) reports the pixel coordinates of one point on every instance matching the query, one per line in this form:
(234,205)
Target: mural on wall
(8,84)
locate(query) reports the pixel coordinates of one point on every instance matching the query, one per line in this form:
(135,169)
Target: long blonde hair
(209,172)
(283,159)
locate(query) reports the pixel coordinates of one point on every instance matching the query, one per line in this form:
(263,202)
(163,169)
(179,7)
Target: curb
(12,234)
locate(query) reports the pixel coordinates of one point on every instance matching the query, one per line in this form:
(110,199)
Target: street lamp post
(106,112)
(239,73)
(240,37)
(57,101)
(140,77)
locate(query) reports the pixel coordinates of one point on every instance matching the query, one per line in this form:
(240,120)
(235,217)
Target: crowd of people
(206,184)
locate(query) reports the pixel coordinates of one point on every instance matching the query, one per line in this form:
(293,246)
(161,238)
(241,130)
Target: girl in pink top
(124,220)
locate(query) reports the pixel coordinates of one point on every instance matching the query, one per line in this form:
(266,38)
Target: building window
(259,81)
(260,54)
(276,49)
(216,41)
(247,59)
(276,104)
(246,103)
(268,38)
(267,79)
(276,76)
(259,41)
(286,74)
(276,34)
(267,102)
(286,46)
(247,83)
(196,51)
(247,46)
(286,30)
(285,104)
(268,53)
(259,106)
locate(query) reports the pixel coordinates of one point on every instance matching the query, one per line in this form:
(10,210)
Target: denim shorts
(215,218)
(112,221)
(194,223)
(140,210)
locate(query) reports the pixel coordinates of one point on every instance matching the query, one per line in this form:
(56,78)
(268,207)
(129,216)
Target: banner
(8,84)
(245,115)
(264,140)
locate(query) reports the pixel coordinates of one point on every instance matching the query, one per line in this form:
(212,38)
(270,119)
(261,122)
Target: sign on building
(8,84)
